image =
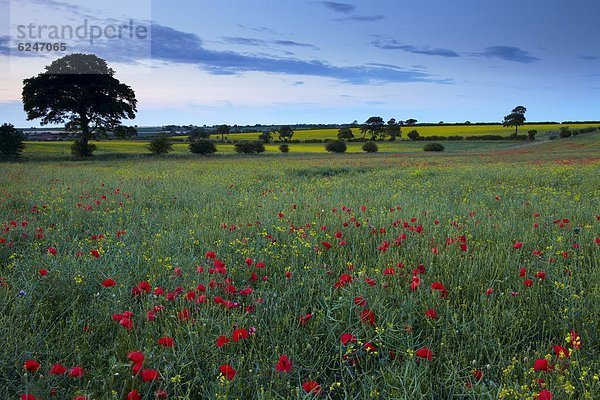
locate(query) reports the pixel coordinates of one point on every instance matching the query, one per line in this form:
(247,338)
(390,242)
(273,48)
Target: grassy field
(441,130)
(470,274)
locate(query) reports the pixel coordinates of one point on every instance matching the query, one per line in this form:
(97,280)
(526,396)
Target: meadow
(469,274)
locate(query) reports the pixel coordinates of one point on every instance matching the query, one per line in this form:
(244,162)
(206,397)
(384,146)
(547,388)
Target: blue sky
(247,62)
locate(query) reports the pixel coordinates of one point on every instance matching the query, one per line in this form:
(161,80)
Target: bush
(160,144)
(487,137)
(413,135)
(248,147)
(11,142)
(336,146)
(313,141)
(531,135)
(456,137)
(78,149)
(370,147)
(433,147)
(202,146)
(284,148)
(564,132)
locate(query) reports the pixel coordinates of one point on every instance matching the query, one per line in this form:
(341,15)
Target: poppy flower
(327,245)
(149,375)
(303,320)
(425,353)
(222,341)
(367,316)
(347,338)
(360,301)
(478,374)
(240,334)
(431,313)
(575,339)
(517,245)
(528,282)
(227,371)
(161,394)
(43,272)
(126,323)
(27,396)
(76,372)
(134,395)
(136,357)
(58,369)
(284,364)
(210,254)
(109,282)
(311,387)
(166,341)
(95,253)
(561,352)
(52,251)
(522,272)
(31,366)
(544,395)
(489,291)
(541,364)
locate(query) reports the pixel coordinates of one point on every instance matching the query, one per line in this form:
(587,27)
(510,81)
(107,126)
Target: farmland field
(472,274)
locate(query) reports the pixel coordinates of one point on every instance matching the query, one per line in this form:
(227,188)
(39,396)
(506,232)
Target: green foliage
(336,146)
(266,137)
(198,133)
(223,130)
(202,146)
(433,147)
(125,132)
(161,144)
(370,147)
(565,132)
(285,133)
(249,147)
(531,134)
(413,135)
(11,142)
(82,149)
(515,118)
(375,127)
(345,133)
(284,148)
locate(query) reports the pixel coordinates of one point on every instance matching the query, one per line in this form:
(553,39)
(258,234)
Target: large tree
(223,130)
(80,91)
(11,142)
(515,118)
(285,133)
(375,126)
(393,129)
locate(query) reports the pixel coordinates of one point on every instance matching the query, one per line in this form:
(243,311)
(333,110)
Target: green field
(396,275)
(438,130)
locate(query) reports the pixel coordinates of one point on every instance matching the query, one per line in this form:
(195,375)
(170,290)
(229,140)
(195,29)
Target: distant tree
(198,133)
(531,135)
(354,124)
(285,133)
(467,122)
(336,146)
(11,142)
(248,147)
(266,136)
(284,148)
(345,133)
(410,121)
(393,129)
(80,91)
(515,118)
(160,144)
(441,123)
(413,135)
(433,147)
(202,146)
(223,130)
(375,126)
(125,132)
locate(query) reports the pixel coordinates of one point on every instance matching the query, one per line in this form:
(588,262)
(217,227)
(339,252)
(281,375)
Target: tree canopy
(515,118)
(80,91)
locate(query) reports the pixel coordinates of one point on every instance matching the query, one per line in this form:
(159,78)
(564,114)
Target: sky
(285,62)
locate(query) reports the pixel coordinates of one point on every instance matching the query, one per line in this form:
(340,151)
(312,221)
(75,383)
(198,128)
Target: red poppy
(327,245)
(134,395)
(303,320)
(518,245)
(561,351)
(522,272)
(222,341)
(544,395)
(43,272)
(575,339)
(478,374)
(431,313)
(367,316)
(227,371)
(76,372)
(210,254)
(52,251)
(136,356)
(425,353)
(489,291)
(311,387)
(528,282)
(284,364)
(27,396)
(347,338)
(109,282)
(149,375)
(541,364)
(161,394)
(166,341)
(360,301)
(239,334)
(58,369)
(126,323)
(31,366)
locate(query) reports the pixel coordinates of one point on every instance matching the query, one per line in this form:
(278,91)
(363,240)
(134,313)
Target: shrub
(248,147)
(160,144)
(11,142)
(336,146)
(370,147)
(564,132)
(456,137)
(202,146)
(531,135)
(413,135)
(433,147)
(284,148)
(78,149)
